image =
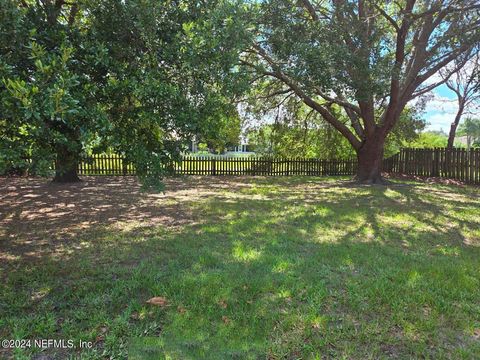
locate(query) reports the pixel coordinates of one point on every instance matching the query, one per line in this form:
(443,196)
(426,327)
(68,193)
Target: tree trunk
(370,161)
(66,167)
(454,125)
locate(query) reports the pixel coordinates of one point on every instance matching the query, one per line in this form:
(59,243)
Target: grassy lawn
(249,268)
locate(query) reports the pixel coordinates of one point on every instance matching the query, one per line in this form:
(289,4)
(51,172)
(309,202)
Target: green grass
(295,268)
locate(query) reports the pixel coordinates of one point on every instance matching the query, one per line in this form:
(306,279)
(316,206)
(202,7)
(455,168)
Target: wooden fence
(458,164)
(112,165)
(264,166)
(216,165)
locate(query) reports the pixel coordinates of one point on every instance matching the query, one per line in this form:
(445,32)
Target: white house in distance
(243,148)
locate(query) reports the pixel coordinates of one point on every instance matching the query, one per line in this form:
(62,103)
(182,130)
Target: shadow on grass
(267,269)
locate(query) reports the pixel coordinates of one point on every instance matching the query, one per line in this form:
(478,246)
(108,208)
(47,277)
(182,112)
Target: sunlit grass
(279,268)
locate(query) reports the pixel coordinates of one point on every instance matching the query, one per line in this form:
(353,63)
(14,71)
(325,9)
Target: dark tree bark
(454,125)
(66,166)
(370,161)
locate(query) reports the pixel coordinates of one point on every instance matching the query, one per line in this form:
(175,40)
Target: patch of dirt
(427,179)
(38,217)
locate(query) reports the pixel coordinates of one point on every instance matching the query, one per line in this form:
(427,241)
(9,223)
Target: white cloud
(435,78)
(440,112)
(440,121)
(442,104)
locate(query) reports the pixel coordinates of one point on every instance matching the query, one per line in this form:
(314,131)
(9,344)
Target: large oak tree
(371,57)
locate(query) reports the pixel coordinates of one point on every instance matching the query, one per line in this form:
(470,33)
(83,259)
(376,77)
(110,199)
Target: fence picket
(459,164)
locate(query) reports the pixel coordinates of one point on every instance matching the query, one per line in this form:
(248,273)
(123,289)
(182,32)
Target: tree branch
(390,115)
(275,93)
(388,17)
(326,114)
(73,13)
(339,101)
(309,7)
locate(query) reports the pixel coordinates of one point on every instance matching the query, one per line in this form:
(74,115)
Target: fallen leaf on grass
(158,301)
(476,334)
(223,304)
(103,330)
(226,320)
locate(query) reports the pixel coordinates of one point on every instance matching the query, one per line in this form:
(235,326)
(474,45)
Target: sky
(440,111)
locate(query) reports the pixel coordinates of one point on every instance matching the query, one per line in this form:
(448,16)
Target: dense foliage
(137,77)
(142,78)
(286,127)
(429,140)
(471,129)
(370,58)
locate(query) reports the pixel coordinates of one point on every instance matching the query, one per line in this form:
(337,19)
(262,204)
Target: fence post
(214,170)
(471,167)
(435,163)
(124,167)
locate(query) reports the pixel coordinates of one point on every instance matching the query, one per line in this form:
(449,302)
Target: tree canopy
(291,129)
(471,129)
(368,57)
(139,77)
(143,77)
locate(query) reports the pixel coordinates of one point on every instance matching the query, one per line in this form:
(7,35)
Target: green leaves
(471,128)
(140,77)
(178,86)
